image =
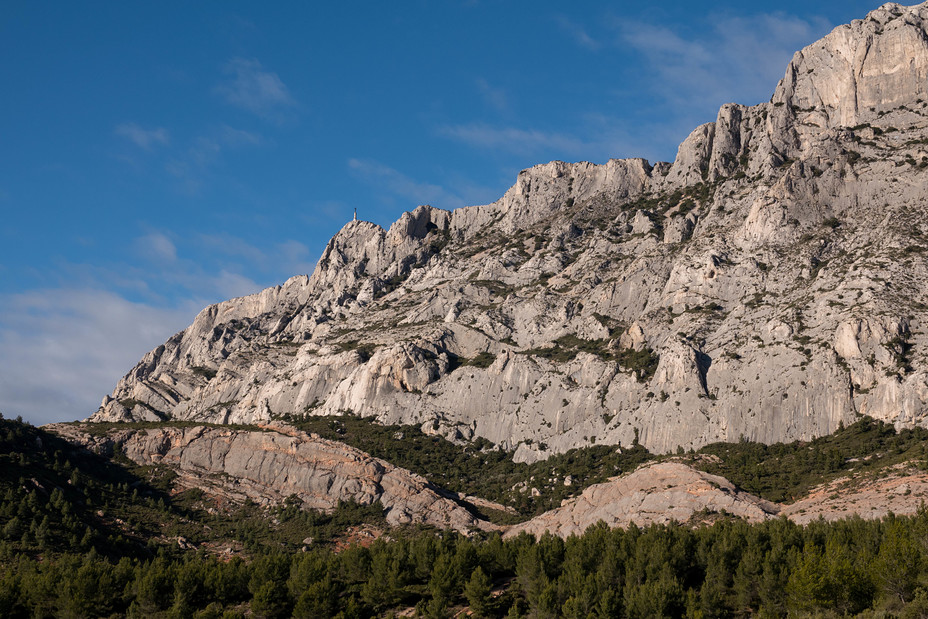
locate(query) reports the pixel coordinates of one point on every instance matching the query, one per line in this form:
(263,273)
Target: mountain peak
(861,69)
(766,284)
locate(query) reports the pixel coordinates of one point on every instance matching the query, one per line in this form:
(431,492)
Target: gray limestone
(776,269)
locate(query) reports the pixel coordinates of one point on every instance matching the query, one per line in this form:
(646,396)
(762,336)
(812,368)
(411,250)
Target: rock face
(268,467)
(669,491)
(654,494)
(769,283)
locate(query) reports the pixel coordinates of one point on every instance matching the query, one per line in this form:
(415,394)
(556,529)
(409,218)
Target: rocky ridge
(272,465)
(671,491)
(654,494)
(769,283)
(901,491)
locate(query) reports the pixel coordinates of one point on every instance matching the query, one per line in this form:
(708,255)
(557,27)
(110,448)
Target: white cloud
(594,137)
(204,151)
(578,34)
(511,139)
(398,184)
(230,285)
(254,89)
(158,247)
(192,165)
(235,255)
(62,350)
(297,255)
(143,138)
(230,136)
(739,59)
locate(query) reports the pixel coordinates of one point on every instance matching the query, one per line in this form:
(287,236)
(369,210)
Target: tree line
(729,569)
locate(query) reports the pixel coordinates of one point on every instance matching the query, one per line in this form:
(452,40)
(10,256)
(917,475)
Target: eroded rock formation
(769,283)
(270,466)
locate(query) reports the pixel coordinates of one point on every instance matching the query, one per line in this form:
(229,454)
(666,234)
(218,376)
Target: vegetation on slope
(60,498)
(784,472)
(476,468)
(729,569)
(84,536)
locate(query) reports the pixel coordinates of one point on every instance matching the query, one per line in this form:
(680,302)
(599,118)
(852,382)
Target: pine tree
(477,591)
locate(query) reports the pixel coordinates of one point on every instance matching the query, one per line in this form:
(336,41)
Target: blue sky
(158,157)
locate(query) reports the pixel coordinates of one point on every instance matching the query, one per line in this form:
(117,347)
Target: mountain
(769,284)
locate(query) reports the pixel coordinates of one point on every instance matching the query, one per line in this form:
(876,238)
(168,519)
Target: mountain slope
(769,283)
(274,464)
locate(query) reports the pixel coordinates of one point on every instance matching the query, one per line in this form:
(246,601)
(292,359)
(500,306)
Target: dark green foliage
(643,362)
(57,497)
(495,287)
(686,198)
(482,360)
(389,285)
(477,591)
(901,350)
(59,558)
(730,569)
(61,498)
(477,469)
(565,348)
(205,372)
(785,472)
(365,350)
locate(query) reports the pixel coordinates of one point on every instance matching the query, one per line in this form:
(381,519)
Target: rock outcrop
(270,466)
(277,463)
(767,284)
(654,494)
(902,491)
(671,491)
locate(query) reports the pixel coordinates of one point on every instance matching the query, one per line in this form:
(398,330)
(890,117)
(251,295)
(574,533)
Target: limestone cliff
(769,283)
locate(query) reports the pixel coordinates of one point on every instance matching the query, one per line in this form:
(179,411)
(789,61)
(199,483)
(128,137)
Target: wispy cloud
(512,139)
(400,185)
(251,87)
(230,136)
(157,246)
(222,266)
(62,350)
(495,97)
(578,33)
(191,165)
(141,137)
(738,59)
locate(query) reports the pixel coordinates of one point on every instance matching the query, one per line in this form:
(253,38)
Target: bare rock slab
(271,465)
(654,494)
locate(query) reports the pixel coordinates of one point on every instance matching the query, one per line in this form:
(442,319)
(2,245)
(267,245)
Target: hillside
(633,389)
(767,284)
(83,535)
